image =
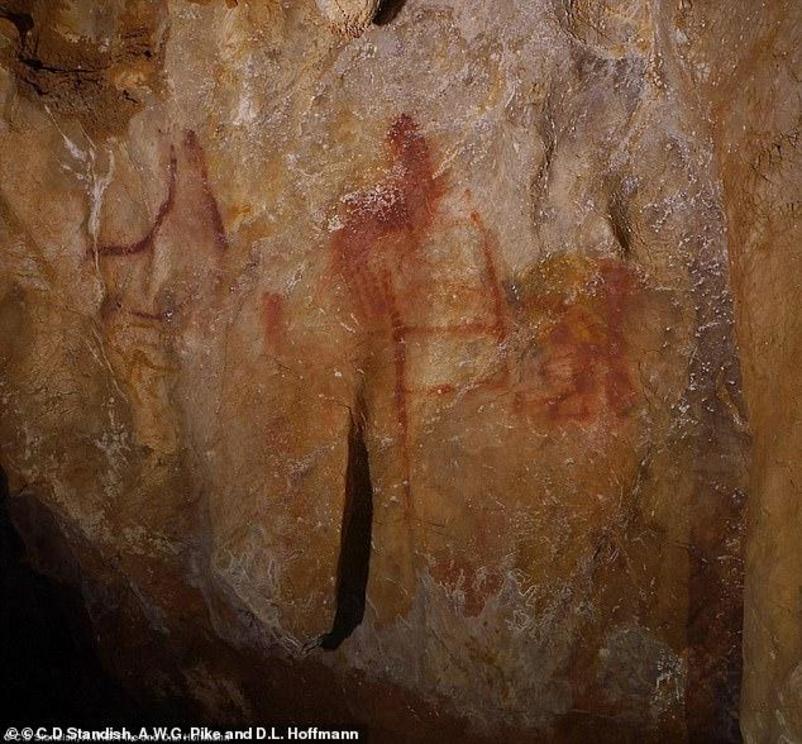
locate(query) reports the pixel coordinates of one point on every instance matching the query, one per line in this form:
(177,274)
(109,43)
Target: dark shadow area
(355,540)
(23,22)
(49,664)
(387,11)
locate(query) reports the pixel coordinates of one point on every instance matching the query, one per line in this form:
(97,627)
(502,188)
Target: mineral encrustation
(430,366)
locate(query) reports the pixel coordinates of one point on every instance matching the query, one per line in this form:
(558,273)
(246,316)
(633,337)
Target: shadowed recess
(620,225)
(387,11)
(50,668)
(22,21)
(355,539)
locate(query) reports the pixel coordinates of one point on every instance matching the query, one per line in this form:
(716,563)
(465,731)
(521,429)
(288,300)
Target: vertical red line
(499,306)
(618,386)
(398,333)
(218,228)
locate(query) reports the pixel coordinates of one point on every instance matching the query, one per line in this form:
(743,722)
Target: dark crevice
(22,21)
(355,539)
(387,11)
(37,65)
(50,667)
(620,225)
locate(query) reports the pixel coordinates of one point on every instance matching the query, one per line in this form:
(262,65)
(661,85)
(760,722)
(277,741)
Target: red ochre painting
(560,351)
(206,214)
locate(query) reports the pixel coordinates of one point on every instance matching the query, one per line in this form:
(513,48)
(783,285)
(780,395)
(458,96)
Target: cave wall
(371,368)
(754,99)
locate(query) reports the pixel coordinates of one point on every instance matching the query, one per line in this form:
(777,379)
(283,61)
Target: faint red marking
(112,304)
(198,156)
(382,233)
(382,228)
(273,316)
(400,394)
(585,365)
(619,299)
(400,208)
(146,242)
(492,281)
(149,316)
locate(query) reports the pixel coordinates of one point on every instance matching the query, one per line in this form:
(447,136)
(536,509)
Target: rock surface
(392,377)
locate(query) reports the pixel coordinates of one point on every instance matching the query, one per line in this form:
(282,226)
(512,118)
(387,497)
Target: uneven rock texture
(387,373)
(756,105)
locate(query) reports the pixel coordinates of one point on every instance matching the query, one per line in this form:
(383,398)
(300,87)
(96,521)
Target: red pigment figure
(586,367)
(273,317)
(381,239)
(197,158)
(146,242)
(209,214)
(382,228)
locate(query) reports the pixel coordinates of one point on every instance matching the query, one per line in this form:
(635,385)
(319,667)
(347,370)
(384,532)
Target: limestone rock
(349,17)
(393,378)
